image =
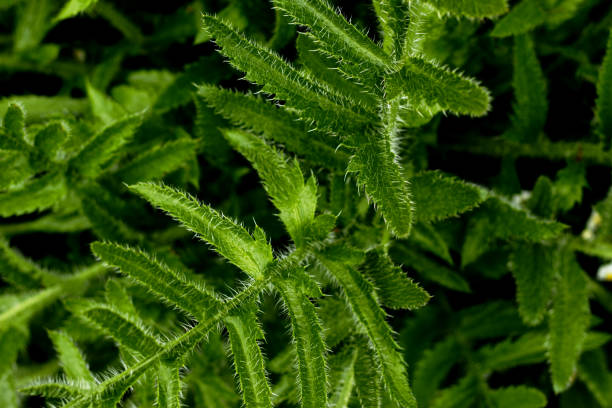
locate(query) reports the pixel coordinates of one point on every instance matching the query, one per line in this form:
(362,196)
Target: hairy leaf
(250,253)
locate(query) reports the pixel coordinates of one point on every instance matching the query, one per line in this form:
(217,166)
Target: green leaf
(529,348)
(13,136)
(101,148)
(250,253)
(499,219)
(70,357)
(244,334)
(523,17)
(19,270)
(433,367)
(53,390)
(368,383)
(342,377)
(429,269)
(393,24)
(74,7)
(533,270)
(168,386)
(517,397)
(461,395)
(32,24)
(334,35)
(158,161)
(433,88)
(603,105)
(593,371)
(277,124)
(103,107)
(307,334)
(568,186)
(284,182)
(50,139)
(394,288)
(377,168)
(359,294)
(170,285)
(531,106)
(127,330)
(36,195)
(427,237)
(568,321)
(278,77)
(438,196)
(472,8)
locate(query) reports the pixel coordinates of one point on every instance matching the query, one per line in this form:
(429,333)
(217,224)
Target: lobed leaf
(71,359)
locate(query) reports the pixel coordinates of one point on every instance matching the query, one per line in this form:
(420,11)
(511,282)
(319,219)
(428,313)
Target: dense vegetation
(223,203)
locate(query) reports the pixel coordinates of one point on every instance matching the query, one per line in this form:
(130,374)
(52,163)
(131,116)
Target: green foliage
(380,228)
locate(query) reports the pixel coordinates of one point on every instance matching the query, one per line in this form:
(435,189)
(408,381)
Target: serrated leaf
(71,359)
(250,253)
(533,271)
(295,198)
(36,195)
(433,88)
(50,139)
(245,334)
(377,167)
(342,377)
(127,330)
(275,123)
(335,35)
(307,334)
(603,104)
(359,294)
(393,24)
(101,148)
(168,284)
(569,320)
(531,106)
(158,161)
(472,8)
(393,287)
(497,218)
(53,390)
(437,196)
(278,77)
(368,383)
(168,386)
